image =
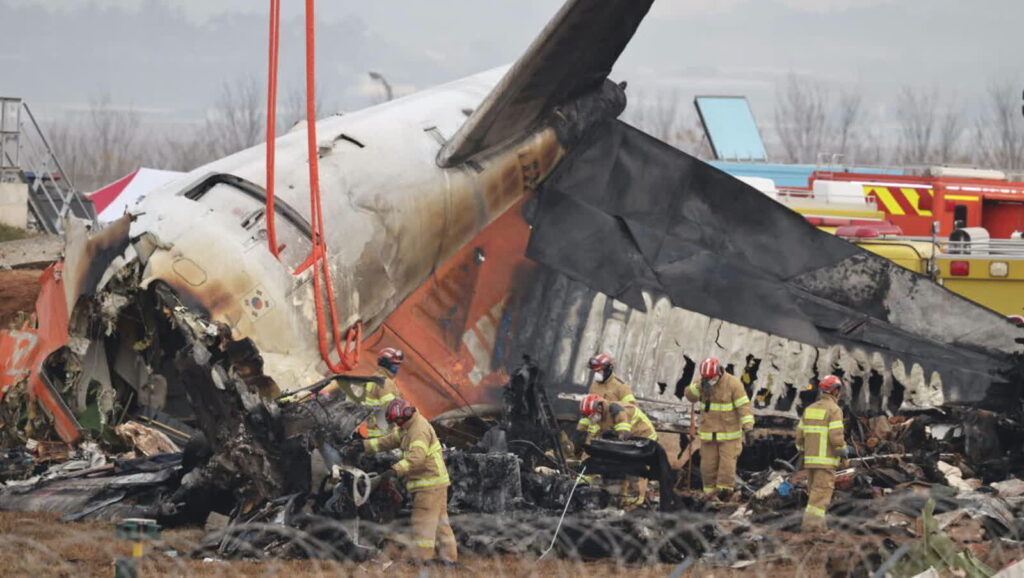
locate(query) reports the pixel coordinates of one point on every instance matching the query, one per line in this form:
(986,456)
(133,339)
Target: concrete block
(14,204)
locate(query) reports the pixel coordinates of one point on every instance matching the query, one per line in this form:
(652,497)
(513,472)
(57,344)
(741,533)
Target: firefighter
(820,436)
(627,421)
(725,420)
(426,477)
(389,360)
(606,385)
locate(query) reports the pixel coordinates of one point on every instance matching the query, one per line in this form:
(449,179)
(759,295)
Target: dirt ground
(38,544)
(18,291)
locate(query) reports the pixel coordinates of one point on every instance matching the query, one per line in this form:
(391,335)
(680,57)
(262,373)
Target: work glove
(843,452)
(748,437)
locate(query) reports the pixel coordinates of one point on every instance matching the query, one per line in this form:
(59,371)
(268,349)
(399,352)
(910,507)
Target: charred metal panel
(635,218)
(87,257)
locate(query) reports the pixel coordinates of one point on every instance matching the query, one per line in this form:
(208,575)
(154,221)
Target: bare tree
(67,142)
(848,118)
(801,118)
(917,113)
(664,116)
(237,120)
(999,131)
(930,126)
(950,133)
(100,146)
(293,110)
(114,136)
(181,152)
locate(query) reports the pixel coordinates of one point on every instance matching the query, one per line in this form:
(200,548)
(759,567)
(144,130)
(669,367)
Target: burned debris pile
(272,469)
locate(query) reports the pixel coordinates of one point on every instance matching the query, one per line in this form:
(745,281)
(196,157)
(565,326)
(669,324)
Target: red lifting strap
(275,35)
(347,349)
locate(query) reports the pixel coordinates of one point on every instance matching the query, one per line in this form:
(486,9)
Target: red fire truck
(955,198)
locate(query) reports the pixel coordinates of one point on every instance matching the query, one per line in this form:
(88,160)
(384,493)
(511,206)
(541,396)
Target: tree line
(107,142)
(813,122)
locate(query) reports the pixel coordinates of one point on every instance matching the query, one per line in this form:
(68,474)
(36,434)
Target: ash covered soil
(18,291)
(39,544)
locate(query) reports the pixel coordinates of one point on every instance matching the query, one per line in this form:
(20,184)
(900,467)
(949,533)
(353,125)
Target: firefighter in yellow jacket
(725,418)
(820,436)
(606,385)
(426,477)
(627,421)
(389,360)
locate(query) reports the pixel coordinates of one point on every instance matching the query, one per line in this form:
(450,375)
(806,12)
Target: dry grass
(9,233)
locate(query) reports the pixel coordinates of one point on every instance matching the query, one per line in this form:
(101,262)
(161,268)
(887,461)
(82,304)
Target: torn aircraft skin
(427,201)
(711,245)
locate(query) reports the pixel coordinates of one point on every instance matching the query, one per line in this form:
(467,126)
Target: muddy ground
(18,291)
(38,544)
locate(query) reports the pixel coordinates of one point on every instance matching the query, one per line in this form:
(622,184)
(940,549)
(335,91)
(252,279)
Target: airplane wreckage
(503,215)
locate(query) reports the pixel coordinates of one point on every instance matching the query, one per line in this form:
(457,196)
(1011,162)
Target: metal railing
(986,247)
(26,155)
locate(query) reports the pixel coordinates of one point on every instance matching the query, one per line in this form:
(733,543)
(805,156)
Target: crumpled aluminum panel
(681,246)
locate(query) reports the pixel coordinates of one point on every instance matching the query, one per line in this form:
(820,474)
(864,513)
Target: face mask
(393,369)
(599,376)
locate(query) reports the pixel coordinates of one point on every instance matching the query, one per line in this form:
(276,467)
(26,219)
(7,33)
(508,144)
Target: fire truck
(961,227)
(955,198)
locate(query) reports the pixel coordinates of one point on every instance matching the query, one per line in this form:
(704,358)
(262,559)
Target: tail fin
(572,56)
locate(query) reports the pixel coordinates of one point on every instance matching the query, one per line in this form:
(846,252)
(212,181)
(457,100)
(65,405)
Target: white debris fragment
(1010,488)
(955,478)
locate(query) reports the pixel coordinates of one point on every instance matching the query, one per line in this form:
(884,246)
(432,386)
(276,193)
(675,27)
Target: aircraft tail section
(572,57)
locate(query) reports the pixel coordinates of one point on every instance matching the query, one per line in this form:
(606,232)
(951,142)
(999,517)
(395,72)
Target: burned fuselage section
(662,260)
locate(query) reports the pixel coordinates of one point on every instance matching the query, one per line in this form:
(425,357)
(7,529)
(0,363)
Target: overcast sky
(169,57)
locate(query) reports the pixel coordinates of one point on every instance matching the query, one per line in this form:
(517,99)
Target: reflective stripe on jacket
(627,421)
(727,414)
(422,463)
(820,433)
(613,389)
(378,397)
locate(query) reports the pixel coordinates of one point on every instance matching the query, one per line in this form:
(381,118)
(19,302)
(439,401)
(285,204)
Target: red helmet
(601,362)
(588,405)
(390,356)
(709,368)
(399,411)
(830,384)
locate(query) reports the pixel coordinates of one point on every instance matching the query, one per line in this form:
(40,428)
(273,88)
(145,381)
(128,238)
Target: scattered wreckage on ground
(266,467)
(507,213)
